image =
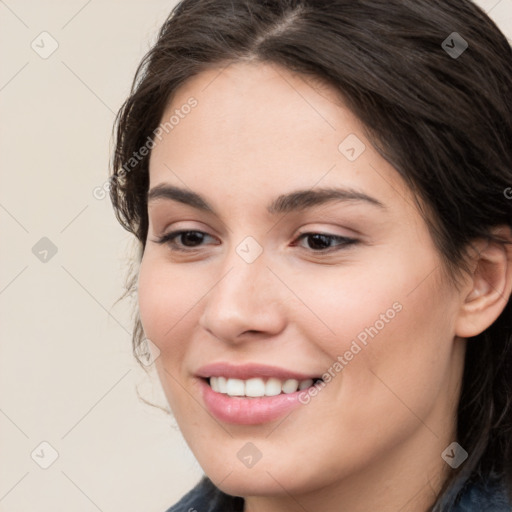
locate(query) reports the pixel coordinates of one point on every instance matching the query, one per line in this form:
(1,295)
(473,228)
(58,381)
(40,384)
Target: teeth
(273,387)
(235,387)
(221,384)
(305,384)
(257,387)
(290,386)
(254,387)
(214,383)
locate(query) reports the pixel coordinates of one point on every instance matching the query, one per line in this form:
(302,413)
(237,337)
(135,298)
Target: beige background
(67,376)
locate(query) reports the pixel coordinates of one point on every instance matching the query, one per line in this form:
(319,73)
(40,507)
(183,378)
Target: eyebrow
(297,200)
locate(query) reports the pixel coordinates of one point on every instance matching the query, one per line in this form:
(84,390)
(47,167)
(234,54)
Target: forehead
(256,106)
(263,127)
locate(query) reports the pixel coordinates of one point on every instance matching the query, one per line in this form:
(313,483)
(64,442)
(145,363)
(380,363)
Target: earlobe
(490,285)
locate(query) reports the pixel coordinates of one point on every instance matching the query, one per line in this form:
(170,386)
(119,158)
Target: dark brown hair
(443,120)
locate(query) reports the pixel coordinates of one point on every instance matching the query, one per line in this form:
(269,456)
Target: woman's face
(247,296)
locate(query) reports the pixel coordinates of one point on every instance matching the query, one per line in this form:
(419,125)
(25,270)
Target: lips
(251,370)
(255,409)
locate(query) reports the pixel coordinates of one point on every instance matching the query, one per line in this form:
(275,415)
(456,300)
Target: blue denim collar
(483,496)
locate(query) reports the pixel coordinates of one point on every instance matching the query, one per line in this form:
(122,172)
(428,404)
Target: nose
(245,303)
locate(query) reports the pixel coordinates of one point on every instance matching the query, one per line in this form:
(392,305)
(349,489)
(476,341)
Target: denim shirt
(205,497)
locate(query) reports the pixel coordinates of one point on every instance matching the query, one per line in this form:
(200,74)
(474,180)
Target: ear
(488,287)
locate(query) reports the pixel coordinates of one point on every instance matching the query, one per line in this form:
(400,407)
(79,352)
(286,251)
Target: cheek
(337,306)
(166,300)
(386,328)
(403,368)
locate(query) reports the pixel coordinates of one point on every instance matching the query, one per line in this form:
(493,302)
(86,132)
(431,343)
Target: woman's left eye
(323,239)
(189,239)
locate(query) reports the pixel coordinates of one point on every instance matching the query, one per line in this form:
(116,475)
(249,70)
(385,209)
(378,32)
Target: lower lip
(248,411)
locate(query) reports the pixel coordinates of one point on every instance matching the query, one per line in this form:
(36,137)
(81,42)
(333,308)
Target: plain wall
(67,375)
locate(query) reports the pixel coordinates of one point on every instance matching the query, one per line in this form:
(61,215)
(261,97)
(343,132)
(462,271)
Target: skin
(372,438)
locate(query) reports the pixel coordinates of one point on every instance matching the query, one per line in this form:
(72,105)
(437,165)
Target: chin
(265,478)
(248,483)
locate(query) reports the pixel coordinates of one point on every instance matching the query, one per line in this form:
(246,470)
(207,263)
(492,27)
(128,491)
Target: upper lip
(250,370)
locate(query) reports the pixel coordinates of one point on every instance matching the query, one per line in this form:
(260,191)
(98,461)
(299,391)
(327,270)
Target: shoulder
(484,496)
(206,497)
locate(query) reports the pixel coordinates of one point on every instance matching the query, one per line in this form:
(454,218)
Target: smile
(257,387)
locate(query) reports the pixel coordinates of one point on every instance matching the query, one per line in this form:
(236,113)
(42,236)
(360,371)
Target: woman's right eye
(193,237)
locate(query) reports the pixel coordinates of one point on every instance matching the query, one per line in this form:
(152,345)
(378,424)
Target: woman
(320,191)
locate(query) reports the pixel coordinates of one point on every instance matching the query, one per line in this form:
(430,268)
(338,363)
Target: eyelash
(345,241)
